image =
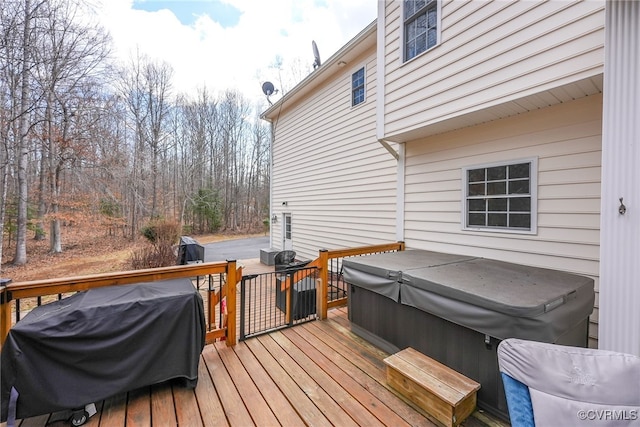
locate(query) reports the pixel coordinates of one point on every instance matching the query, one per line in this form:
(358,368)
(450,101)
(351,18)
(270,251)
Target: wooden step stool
(444,394)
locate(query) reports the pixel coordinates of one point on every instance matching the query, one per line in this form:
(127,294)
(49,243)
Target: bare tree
(18,35)
(47,51)
(132,153)
(146,88)
(69,54)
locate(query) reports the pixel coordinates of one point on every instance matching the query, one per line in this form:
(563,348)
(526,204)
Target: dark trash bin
(303,297)
(303,293)
(189,251)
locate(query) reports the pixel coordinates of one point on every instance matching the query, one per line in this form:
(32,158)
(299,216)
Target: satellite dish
(267,88)
(316,55)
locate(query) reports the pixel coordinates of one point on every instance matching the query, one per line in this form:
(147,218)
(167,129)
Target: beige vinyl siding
(490,53)
(337,179)
(565,138)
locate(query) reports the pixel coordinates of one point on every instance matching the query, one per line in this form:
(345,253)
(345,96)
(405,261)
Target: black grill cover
(189,251)
(102,342)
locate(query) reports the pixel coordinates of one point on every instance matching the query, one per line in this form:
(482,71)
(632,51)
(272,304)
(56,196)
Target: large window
(420,26)
(501,196)
(357,87)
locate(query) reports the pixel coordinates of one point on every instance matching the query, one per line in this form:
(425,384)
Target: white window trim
(355,70)
(402,34)
(533,192)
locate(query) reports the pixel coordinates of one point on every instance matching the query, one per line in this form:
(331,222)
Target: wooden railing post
(5,314)
(323,283)
(232,280)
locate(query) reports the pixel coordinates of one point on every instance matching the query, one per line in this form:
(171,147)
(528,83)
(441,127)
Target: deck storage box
(457,309)
(101,342)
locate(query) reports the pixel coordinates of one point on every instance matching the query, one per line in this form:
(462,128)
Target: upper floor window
(501,196)
(420,26)
(357,87)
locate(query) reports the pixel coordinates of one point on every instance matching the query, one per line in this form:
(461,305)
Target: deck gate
(265,300)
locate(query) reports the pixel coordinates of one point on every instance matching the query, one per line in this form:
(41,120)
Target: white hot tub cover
(575,386)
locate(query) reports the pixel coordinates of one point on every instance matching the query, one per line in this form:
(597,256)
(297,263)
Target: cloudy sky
(233,44)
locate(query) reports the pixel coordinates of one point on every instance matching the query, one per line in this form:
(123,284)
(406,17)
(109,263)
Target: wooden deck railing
(331,272)
(331,286)
(13,292)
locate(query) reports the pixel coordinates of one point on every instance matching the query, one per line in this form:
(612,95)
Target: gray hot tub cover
(492,297)
(501,299)
(101,342)
(381,273)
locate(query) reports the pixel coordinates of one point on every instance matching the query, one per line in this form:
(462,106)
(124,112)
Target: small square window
(420,26)
(500,197)
(357,87)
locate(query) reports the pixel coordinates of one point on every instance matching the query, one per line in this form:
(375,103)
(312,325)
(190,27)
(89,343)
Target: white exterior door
(287,243)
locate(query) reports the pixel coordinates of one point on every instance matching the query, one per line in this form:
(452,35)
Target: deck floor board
(209,403)
(335,389)
(323,400)
(357,391)
(255,403)
(234,408)
(280,406)
(304,406)
(362,371)
(162,404)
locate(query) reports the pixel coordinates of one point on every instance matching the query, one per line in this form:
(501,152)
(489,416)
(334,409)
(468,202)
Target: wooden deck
(317,373)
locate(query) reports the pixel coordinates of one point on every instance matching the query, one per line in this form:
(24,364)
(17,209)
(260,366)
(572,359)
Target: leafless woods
(85,139)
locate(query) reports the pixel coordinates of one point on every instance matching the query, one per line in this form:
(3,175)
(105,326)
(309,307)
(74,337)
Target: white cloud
(237,57)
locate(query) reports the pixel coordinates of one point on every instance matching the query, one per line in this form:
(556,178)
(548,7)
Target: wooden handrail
(323,266)
(15,291)
(37,288)
(361,250)
(81,283)
(326,255)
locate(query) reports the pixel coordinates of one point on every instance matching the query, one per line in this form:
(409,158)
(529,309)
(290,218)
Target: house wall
(337,179)
(490,53)
(566,138)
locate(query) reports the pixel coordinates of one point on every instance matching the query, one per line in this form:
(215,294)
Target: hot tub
(456,309)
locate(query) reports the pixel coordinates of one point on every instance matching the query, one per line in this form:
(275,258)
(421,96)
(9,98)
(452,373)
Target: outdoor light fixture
(274,218)
(341,64)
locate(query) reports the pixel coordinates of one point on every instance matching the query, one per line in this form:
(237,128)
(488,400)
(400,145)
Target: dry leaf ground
(87,249)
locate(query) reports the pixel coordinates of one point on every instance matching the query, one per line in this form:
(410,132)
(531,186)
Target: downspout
(271,140)
(273,122)
(380,131)
(389,148)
